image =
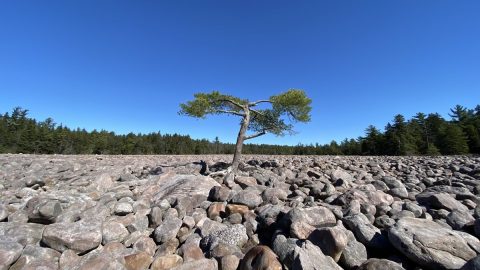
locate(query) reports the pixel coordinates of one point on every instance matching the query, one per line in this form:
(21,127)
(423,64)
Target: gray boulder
(310,257)
(9,252)
(440,201)
(432,245)
(332,241)
(234,235)
(79,236)
(182,186)
(167,230)
(354,253)
(380,264)
(365,232)
(113,231)
(247,197)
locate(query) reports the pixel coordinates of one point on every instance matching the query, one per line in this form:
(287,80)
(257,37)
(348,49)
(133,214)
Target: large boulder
(332,241)
(380,264)
(310,257)
(432,245)
(9,252)
(79,236)
(440,201)
(248,197)
(24,233)
(303,221)
(234,235)
(260,257)
(365,232)
(167,230)
(181,186)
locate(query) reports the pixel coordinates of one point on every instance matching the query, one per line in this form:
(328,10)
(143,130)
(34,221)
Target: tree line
(421,135)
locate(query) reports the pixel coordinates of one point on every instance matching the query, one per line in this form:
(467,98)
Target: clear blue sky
(126,65)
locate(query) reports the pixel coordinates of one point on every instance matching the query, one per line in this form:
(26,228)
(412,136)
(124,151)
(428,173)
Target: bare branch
(254,135)
(257,112)
(234,103)
(253,104)
(230,112)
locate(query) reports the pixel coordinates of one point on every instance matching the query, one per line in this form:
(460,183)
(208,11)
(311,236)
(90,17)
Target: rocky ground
(280,212)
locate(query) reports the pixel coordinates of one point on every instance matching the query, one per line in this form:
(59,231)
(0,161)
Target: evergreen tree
(294,104)
(452,140)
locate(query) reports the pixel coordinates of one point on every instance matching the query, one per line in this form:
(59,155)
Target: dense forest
(421,135)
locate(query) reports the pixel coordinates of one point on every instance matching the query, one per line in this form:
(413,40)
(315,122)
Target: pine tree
(452,140)
(294,104)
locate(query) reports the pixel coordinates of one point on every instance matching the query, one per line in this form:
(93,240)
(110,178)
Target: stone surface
(166,262)
(235,235)
(203,264)
(310,257)
(179,186)
(354,253)
(260,257)
(314,212)
(113,231)
(10,251)
(79,236)
(332,241)
(138,261)
(432,245)
(441,201)
(304,220)
(380,264)
(249,198)
(365,232)
(167,230)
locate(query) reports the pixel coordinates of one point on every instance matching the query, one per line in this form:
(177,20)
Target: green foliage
(211,103)
(432,150)
(294,103)
(452,140)
(423,134)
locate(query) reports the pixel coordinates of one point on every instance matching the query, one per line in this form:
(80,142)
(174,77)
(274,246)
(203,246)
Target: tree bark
(241,137)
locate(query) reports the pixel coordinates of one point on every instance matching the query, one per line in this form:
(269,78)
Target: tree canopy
(292,105)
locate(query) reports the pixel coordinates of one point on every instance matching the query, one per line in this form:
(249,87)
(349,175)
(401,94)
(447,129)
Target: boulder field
(277,212)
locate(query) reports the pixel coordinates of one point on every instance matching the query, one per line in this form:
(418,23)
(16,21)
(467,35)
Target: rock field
(278,212)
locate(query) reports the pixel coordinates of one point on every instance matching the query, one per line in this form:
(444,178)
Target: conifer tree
(292,104)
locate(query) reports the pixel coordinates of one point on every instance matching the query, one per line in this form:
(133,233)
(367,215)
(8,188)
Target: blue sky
(126,65)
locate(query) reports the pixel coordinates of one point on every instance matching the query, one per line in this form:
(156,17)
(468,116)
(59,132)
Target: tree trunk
(241,137)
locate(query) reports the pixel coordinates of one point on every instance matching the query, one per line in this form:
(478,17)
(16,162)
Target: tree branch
(253,104)
(233,103)
(254,135)
(231,112)
(257,112)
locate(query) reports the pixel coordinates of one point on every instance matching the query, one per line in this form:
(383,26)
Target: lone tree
(292,105)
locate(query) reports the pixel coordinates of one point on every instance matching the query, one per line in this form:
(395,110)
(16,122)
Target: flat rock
(9,252)
(432,245)
(179,186)
(79,236)
(441,201)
